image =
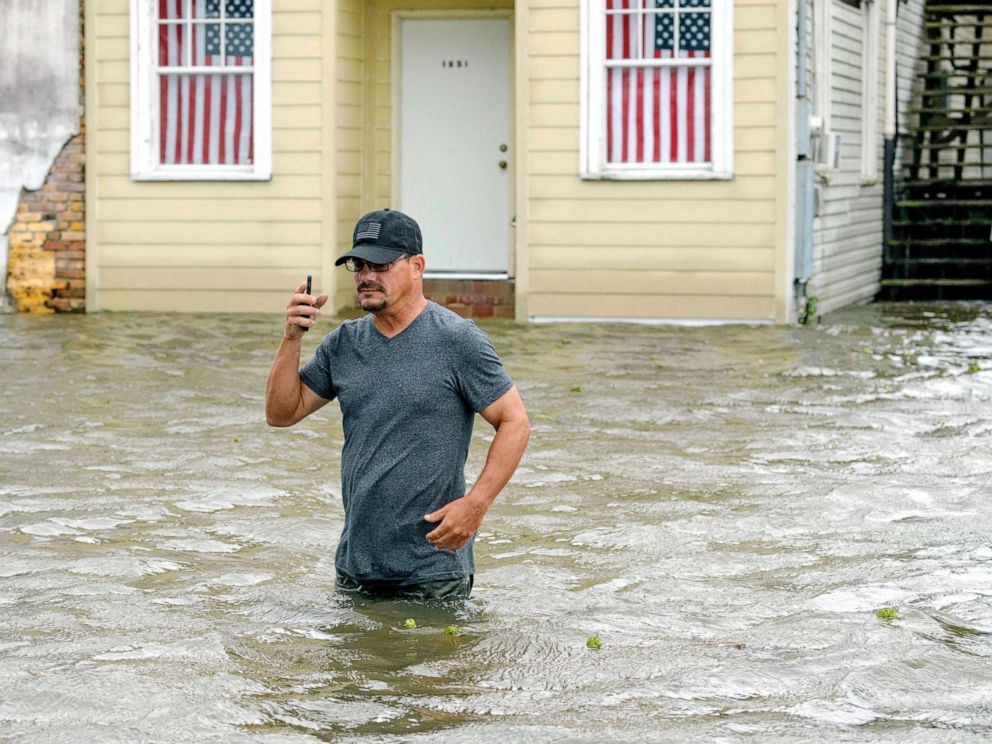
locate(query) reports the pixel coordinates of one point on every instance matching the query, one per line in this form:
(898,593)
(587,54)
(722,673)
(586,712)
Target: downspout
(889,126)
(805,168)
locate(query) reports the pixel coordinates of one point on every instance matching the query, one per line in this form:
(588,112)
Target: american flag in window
(205,98)
(658,82)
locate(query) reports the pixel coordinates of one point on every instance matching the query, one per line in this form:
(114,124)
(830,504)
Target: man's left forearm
(460,519)
(504,455)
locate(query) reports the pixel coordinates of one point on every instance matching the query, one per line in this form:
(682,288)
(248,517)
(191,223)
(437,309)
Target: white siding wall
(847,256)
(847,236)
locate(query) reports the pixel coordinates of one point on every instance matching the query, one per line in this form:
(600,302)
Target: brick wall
(47,254)
(469,298)
(47,241)
(473,298)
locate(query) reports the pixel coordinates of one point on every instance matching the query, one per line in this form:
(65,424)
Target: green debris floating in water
(973,368)
(887,613)
(594,642)
(576,389)
(452,630)
(410,623)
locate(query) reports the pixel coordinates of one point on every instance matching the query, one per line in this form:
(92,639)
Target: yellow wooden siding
(247,210)
(195,300)
(350,139)
(619,236)
(651,211)
(262,279)
(216,232)
(648,306)
(214,257)
(190,193)
(666,249)
(214,246)
(653,258)
(610,281)
(754,188)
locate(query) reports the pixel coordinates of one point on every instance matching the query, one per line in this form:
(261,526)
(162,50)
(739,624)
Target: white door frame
(396,19)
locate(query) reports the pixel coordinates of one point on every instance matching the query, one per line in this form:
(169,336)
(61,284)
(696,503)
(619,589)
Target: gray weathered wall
(39,96)
(847,255)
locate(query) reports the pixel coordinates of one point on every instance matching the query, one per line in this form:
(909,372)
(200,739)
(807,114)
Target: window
(200,99)
(656,89)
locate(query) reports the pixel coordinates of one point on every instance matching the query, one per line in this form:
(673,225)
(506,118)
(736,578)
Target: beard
(369,304)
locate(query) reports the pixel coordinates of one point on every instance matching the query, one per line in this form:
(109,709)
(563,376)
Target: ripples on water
(725,508)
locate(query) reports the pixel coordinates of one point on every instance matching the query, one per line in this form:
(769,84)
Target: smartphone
(309,289)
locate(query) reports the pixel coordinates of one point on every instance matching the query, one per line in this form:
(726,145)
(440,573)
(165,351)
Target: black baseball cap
(383,236)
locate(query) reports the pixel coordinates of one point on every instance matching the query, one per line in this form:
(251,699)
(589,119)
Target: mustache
(369,285)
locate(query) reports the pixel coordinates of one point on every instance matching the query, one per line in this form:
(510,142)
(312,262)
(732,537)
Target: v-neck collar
(388,339)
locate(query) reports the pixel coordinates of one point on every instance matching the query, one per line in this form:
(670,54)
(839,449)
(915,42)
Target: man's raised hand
(302,311)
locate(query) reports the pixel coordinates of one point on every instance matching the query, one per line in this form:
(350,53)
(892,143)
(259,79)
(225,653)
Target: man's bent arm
(461,518)
(287,399)
(509,417)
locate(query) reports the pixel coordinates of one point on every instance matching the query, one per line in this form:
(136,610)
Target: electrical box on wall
(826,149)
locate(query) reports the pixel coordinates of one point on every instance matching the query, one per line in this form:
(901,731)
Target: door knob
(502,164)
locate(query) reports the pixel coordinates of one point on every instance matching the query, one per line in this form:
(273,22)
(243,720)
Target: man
(409,377)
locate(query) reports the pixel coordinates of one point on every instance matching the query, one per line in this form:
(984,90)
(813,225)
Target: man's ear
(421,263)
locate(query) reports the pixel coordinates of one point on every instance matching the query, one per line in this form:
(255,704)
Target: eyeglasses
(357,264)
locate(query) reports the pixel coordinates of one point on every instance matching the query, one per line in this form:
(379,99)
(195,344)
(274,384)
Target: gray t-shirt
(408,405)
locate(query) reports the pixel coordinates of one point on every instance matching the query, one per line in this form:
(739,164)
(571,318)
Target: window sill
(655,175)
(201,174)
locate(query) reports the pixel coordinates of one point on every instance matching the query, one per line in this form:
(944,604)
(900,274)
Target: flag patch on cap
(369,231)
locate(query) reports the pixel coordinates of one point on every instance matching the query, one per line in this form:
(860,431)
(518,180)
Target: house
(655,160)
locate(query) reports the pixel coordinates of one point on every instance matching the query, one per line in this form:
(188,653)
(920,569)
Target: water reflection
(359,666)
(725,508)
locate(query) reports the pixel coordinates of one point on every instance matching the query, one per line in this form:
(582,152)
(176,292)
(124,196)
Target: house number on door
(454,63)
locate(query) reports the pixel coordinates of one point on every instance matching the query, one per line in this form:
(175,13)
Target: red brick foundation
(473,298)
(47,241)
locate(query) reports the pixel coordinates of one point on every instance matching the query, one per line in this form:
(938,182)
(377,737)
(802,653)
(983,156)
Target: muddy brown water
(725,508)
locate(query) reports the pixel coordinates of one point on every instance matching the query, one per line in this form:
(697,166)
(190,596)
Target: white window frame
(822,81)
(869,93)
(145,165)
(592,103)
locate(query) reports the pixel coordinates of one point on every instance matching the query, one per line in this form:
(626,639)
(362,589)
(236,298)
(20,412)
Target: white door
(454,148)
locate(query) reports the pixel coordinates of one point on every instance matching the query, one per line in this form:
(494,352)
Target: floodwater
(725,508)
